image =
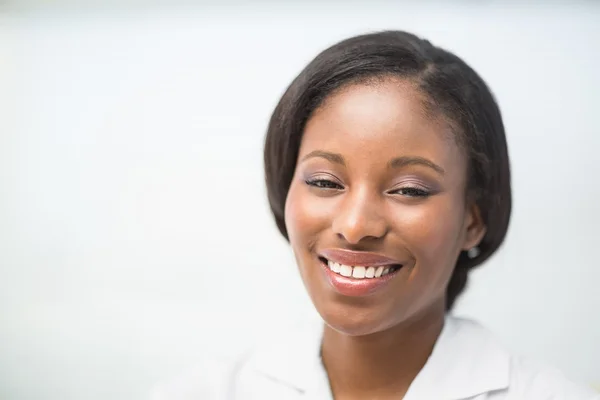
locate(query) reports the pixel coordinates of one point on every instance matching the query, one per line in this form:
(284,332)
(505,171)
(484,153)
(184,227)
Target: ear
(475,228)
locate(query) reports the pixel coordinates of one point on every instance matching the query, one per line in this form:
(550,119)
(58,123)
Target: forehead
(381,120)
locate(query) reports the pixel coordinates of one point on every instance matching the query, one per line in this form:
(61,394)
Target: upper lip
(360,258)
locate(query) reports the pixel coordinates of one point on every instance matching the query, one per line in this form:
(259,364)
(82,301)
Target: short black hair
(450,87)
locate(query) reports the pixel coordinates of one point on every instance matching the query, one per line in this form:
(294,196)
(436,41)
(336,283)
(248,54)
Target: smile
(361,272)
(358,280)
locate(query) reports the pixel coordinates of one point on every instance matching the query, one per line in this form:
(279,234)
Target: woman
(387,170)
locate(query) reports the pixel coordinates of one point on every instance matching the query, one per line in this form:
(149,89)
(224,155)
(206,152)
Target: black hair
(451,88)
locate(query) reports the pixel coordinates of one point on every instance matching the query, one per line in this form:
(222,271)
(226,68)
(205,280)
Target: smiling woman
(387,170)
(388,202)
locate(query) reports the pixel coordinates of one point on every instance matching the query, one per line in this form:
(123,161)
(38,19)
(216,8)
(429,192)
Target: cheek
(306,216)
(433,231)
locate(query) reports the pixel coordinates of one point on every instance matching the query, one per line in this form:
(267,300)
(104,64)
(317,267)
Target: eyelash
(324,184)
(408,191)
(411,191)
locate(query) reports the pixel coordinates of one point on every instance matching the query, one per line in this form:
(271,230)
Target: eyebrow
(400,162)
(333,157)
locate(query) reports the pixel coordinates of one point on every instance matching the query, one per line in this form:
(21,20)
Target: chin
(358,318)
(356,321)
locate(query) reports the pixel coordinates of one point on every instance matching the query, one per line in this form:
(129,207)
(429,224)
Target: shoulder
(208,379)
(517,377)
(532,380)
(277,366)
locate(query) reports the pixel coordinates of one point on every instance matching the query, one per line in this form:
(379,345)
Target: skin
(344,194)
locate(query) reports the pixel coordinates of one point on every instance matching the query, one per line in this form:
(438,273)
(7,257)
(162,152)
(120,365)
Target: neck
(383,363)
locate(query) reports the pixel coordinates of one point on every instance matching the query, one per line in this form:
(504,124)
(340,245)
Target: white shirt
(466,363)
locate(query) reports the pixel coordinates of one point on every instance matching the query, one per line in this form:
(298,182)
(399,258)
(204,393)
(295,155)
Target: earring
(473,252)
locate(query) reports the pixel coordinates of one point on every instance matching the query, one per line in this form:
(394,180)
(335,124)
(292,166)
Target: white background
(134,228)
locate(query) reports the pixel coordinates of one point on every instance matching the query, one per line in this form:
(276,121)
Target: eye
(411,191)
(324,184)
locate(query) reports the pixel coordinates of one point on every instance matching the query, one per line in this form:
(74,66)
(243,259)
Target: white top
(466,363)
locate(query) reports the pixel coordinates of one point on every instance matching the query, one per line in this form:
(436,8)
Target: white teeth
(335,267)
(358,272)
(346,271)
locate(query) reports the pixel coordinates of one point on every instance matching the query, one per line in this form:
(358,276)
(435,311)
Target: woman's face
(376,212)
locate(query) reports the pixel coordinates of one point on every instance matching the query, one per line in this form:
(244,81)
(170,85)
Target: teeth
(370,272)
(346,270)
(335,267)
(358,272)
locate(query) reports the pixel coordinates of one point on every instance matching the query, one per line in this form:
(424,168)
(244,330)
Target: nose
(359,218)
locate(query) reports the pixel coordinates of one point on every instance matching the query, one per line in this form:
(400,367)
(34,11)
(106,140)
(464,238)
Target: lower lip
(349,286)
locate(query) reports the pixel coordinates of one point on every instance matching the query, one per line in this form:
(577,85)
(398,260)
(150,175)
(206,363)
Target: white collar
(466,361)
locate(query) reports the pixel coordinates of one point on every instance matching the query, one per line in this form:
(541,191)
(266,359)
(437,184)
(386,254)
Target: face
(376,212)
